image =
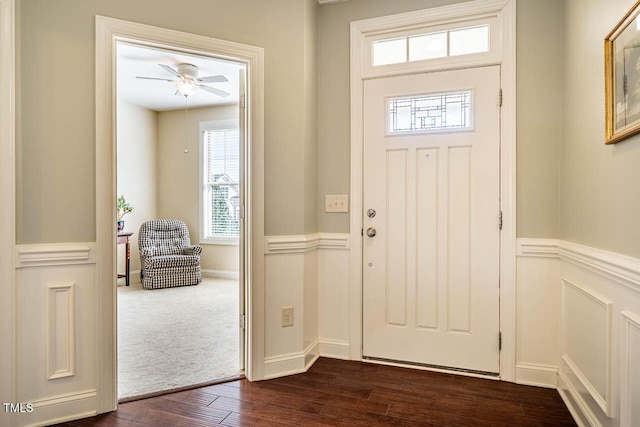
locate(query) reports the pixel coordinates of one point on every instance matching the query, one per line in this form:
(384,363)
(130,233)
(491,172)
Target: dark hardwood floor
(341,393)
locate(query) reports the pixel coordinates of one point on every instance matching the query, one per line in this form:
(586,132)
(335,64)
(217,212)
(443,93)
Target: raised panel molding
(599,377)
(61,339)
(57,331)
(630,370)
(599,388)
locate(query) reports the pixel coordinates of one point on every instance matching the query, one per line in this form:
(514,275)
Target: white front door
(432,194)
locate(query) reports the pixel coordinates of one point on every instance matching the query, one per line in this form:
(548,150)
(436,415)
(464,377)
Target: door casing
(504,11)
(108,30)
(7,212)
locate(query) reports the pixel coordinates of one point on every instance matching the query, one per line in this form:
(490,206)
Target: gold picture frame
(622,78)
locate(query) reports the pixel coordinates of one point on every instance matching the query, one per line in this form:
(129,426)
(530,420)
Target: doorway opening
(180,126)
(109,31)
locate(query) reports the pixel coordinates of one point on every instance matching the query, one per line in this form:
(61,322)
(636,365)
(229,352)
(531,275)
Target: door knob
(371,231)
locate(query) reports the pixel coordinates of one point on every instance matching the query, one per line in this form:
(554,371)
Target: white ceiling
(159,95)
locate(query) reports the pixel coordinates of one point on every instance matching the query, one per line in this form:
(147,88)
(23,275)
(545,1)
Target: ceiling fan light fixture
(186,87)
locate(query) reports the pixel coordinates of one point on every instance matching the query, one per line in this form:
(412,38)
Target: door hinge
(242,101)
(243,321)
(499,341)
(362,231)
(500,98)
(500,220)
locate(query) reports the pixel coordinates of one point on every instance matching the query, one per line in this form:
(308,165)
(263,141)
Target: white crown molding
(330,1)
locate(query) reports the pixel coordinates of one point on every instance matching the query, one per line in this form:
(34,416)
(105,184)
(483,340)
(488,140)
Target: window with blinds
(221,181)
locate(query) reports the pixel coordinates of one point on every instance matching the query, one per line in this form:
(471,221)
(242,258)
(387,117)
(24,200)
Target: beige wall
(56,186)
(179,178)
(539,106)
(539,114)
(137,141)
(311,117)
(599,199)
(56,143)
(334,95)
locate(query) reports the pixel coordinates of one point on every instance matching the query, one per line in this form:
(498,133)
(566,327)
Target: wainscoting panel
(333,299)
(538,317)
(599,356)
(586,340)
(57,354)
(311,274)
(630,372)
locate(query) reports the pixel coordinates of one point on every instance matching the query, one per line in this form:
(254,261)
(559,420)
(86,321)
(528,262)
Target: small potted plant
(122,208)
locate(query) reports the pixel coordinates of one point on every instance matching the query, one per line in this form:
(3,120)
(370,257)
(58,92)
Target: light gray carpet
(175,337)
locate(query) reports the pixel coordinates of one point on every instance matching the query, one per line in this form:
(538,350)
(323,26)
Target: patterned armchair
(166,255)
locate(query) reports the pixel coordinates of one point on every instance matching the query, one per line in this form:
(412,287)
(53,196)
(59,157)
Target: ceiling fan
(187,81)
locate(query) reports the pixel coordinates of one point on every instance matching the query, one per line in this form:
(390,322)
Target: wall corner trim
(305,243)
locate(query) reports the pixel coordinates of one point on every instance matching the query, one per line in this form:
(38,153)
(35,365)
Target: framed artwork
(622,78)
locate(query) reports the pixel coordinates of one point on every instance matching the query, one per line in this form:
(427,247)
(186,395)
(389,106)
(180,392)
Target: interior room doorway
(180,127)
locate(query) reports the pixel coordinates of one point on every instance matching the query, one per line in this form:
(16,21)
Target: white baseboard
(537,375)
(311,354)
(221,274)
(286,364)
(576,405)
(292,363)
(334,349)
(61,408)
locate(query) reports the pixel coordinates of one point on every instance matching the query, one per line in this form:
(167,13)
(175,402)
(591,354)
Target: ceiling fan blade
(170,70)
(213,79)
(154,78)
(214,91)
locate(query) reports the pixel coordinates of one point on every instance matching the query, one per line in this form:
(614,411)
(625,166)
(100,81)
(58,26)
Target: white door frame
(108,31)
(505,12)
(7,213)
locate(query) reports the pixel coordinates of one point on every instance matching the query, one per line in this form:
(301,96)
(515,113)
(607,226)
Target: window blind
(222,179)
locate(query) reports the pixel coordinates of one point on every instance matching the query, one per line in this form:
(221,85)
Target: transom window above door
(440,44)
(433,47)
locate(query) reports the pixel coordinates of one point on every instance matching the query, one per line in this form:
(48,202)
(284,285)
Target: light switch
(336,203)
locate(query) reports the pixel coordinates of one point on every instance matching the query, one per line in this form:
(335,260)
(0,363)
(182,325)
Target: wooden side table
(123,238)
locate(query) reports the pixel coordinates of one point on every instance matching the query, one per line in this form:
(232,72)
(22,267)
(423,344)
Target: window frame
(213,125)
(492,56)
